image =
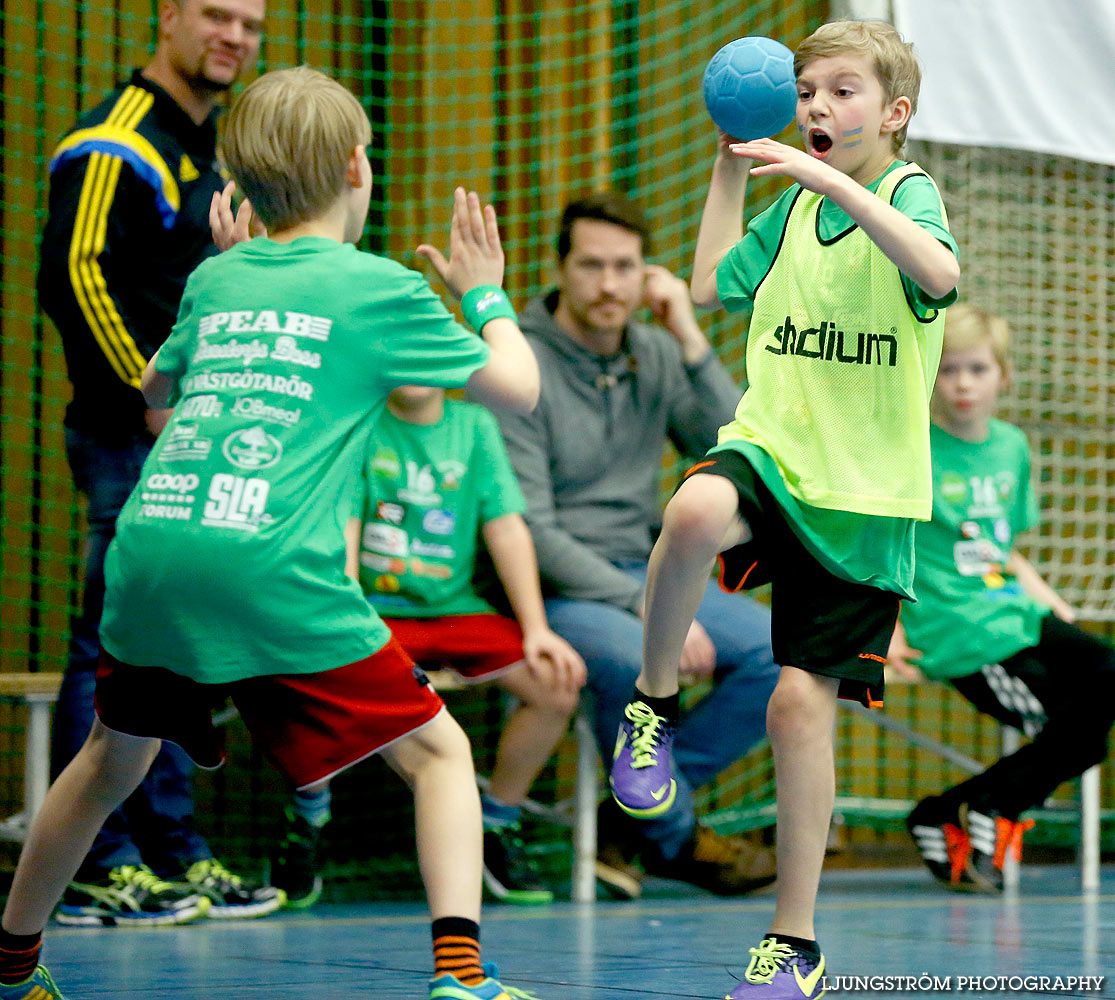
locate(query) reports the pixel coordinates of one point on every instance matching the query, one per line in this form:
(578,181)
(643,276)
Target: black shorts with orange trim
(820,622)
(310,726)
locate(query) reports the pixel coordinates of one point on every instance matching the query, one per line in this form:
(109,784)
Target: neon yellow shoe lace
(140,876)
(643,745)
(766,961)
(211,868)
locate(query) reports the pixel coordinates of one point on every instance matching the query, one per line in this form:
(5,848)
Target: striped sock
(457,949)
(19,956)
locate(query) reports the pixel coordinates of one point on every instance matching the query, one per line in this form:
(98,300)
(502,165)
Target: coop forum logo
(252,448)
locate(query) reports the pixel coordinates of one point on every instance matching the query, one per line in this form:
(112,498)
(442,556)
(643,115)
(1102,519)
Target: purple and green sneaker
(777,971)
(641,781)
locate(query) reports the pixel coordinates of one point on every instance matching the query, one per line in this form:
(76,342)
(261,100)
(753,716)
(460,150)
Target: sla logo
(172,483)
(252,448)
(236,502)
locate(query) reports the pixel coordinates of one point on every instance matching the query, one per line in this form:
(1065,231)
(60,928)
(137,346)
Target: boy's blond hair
(287,143)
(895,64)
(968,326)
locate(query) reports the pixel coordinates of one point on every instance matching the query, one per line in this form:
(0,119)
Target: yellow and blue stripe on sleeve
(107,147)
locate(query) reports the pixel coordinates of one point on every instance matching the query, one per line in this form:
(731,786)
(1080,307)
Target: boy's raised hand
(475,251)
(777,159)
(229,229)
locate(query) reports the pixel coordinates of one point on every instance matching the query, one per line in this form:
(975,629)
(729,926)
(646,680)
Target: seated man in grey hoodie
(589,460)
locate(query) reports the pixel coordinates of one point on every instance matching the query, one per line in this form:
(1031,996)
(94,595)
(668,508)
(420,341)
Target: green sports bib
(840,370)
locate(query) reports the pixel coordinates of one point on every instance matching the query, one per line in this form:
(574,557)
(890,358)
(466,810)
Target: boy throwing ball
(816,484)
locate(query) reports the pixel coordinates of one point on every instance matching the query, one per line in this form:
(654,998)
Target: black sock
(803,946)
(455,925)
(666,707)
(19,956)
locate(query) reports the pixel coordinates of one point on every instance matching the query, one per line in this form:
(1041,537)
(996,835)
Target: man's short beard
(205,84)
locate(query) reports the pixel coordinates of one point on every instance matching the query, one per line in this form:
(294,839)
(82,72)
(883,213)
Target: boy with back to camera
(816,484)
(989,625)
(283,355)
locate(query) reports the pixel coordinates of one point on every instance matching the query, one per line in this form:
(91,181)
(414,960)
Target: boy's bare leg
(531,733)
(436,761)
(800,718)
(701,521)
(107,769)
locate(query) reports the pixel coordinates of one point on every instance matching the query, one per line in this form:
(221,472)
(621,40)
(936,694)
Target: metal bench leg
(1090,829)
(36,759)
(584,823)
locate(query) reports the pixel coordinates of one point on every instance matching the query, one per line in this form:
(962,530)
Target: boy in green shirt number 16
(816,483)
(989,625)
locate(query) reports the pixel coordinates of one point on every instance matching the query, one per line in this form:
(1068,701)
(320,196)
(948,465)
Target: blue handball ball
(749,88)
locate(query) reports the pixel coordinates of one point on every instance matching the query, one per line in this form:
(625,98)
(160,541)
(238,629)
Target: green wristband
(484,303)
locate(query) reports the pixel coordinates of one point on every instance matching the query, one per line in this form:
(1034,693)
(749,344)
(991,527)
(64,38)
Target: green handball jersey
(428,490)
(969,612)
(842,351)
(229,555)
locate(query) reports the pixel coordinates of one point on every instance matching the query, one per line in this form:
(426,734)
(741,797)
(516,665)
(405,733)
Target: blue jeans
(719,730)
(154,825)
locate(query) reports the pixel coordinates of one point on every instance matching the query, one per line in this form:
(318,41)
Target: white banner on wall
(1020,74)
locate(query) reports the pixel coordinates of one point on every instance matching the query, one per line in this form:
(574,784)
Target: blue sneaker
(641,781)
(38,987)
(778,972)
(449,987)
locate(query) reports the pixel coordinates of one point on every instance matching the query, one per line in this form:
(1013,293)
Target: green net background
(533,102)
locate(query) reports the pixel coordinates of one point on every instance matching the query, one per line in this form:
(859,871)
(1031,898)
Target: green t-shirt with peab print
(228,560)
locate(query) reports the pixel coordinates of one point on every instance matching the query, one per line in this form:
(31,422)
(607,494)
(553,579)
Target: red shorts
(475,647)
(310,726)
